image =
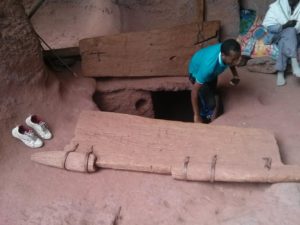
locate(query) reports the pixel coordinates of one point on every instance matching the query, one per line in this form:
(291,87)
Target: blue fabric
(206,64)
(272,34)
(206,112)
(207,102)
(247,18)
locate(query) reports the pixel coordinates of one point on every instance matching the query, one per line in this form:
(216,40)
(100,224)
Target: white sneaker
(295,67)
(27,136)
(280,79)
(39,126)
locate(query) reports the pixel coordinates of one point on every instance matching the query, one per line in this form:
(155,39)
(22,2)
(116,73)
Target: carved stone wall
(62,23)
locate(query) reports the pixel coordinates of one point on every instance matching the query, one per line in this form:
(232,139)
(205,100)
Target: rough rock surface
(228,12)
(152,14)
(126,101)
(74,20)
(26,86)
(134,96)
(260,6)
(70,22)
(145,84)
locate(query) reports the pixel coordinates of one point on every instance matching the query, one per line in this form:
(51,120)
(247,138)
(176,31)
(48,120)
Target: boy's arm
(235,80)
(195,102)
(234,72)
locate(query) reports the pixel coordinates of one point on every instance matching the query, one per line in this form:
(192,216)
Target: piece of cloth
(253,44)
(247,18)
(206,64)
(272,34)
(287,44)
(279,12)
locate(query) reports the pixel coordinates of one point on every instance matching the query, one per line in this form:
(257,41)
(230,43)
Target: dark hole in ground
(173,105)
(97,99)
(58,59)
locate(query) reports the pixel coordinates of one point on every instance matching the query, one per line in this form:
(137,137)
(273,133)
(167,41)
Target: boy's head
(231,52)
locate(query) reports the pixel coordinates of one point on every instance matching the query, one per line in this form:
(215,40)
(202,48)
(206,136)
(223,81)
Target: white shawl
(280,12)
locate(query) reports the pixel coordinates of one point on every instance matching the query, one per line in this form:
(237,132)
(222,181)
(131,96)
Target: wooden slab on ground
(188,151)
(162,52)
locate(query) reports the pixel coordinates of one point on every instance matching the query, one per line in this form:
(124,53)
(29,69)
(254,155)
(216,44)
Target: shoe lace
(43,126)
(31,134)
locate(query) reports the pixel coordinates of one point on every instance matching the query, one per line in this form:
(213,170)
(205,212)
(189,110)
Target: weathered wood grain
(188,151)
(162,52)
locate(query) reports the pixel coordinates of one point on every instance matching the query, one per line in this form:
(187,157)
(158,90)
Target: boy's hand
(234,81)
(235,77)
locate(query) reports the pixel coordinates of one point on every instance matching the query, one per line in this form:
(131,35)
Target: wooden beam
(162,52)
(187,151)
(200,11)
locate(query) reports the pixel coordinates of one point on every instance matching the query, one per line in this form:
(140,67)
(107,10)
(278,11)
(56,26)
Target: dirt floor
(35,194)
(258,102)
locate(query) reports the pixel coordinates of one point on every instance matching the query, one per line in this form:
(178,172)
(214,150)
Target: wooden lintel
(162,52)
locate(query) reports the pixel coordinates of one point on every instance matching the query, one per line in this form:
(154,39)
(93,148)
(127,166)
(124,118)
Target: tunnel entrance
(170,105)
(167,105)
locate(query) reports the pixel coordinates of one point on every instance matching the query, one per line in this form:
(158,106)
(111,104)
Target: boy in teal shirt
(204,68)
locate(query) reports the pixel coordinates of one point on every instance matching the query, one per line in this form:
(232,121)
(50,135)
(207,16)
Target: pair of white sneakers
(27,134)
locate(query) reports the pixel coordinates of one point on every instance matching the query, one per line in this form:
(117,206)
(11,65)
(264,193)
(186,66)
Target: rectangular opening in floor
(170,105)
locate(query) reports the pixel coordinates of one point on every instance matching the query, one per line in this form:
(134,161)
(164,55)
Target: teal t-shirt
(207,64)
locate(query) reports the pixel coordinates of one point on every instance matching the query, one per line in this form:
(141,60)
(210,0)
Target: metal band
(87,156)
(213,168)
(185,166)
(67,154)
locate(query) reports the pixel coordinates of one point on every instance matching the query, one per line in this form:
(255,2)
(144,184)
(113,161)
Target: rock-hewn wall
(26,86)
(228,12)
(20,53)
(260,6)
(62,23)
(134,102)
(151,14)
(22,66)
(148,14)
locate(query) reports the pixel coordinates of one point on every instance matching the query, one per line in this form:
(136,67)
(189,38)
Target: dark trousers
(207,99)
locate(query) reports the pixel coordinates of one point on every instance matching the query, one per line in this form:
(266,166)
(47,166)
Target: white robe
(280,12)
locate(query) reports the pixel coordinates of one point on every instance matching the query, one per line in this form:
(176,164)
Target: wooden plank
(186,150)
(200,10)
(162,52)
